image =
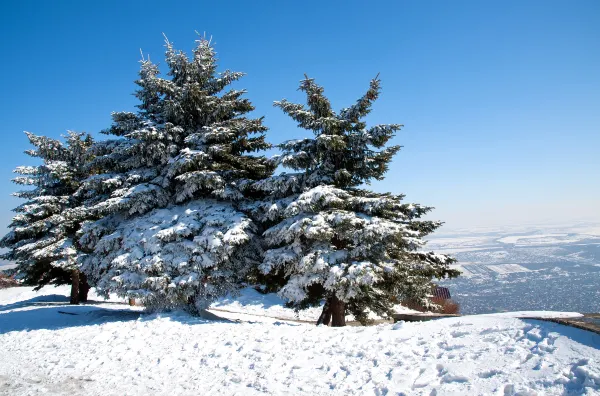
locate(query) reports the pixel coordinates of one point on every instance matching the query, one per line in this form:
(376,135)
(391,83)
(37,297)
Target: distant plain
(525,268)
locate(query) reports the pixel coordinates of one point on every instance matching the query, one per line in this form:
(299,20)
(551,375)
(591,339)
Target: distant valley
(525,268)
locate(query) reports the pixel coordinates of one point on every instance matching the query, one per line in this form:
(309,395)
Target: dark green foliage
(41,240)
(329,238)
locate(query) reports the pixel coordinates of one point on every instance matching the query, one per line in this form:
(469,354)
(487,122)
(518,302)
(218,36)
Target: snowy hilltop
(50,347)
(186,261)
(180,207)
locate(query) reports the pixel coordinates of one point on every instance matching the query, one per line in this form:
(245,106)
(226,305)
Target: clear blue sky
(500,99)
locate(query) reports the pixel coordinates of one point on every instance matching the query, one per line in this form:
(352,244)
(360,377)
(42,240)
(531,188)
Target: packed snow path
(111,349)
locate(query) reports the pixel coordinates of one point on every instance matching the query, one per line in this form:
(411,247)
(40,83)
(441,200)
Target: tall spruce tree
(328,238)
(42,237)
(162,219)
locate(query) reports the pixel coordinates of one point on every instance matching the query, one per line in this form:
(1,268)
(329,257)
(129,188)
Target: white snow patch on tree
(170,257)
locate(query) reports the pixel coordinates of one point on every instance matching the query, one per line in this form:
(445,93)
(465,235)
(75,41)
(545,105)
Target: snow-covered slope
(114,349)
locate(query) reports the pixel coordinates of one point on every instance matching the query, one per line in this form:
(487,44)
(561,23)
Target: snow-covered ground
(252,302)
(110,348)
(270,305)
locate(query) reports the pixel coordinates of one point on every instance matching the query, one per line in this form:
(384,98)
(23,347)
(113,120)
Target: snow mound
(123,351)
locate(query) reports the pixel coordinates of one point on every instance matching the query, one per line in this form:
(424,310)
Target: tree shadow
(53,312)
(53,317)
(45,300)
(52,300)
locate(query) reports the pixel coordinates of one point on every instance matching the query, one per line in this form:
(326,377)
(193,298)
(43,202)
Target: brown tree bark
(74,287)
(325,314)
(327,317)
(84,287)
(338,312)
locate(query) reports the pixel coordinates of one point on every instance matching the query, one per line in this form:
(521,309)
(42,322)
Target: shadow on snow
(584,337)
(53,317)
(40,301)
(53,312)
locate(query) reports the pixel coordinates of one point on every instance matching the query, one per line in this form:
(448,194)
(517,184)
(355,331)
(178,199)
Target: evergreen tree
(41,240)
(162,219)
(328,238)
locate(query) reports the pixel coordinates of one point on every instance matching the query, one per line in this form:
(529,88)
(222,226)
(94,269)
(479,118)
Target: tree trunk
(338,312)
(84,287)
(325,314)
(327,317)
(74,287)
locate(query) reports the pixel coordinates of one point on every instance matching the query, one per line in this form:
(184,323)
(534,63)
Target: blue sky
(500,99)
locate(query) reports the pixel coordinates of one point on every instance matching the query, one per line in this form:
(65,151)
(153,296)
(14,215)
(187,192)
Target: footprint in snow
(458,334)
(579,378)
(489,331)
(444,345)
(441,369)
(454,378)
(535,334)
(489,373)
(540,365)
(527,358)
(461,324)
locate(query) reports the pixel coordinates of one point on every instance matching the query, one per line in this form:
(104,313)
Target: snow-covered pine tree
(41,240)
(331,240)
(166,229)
